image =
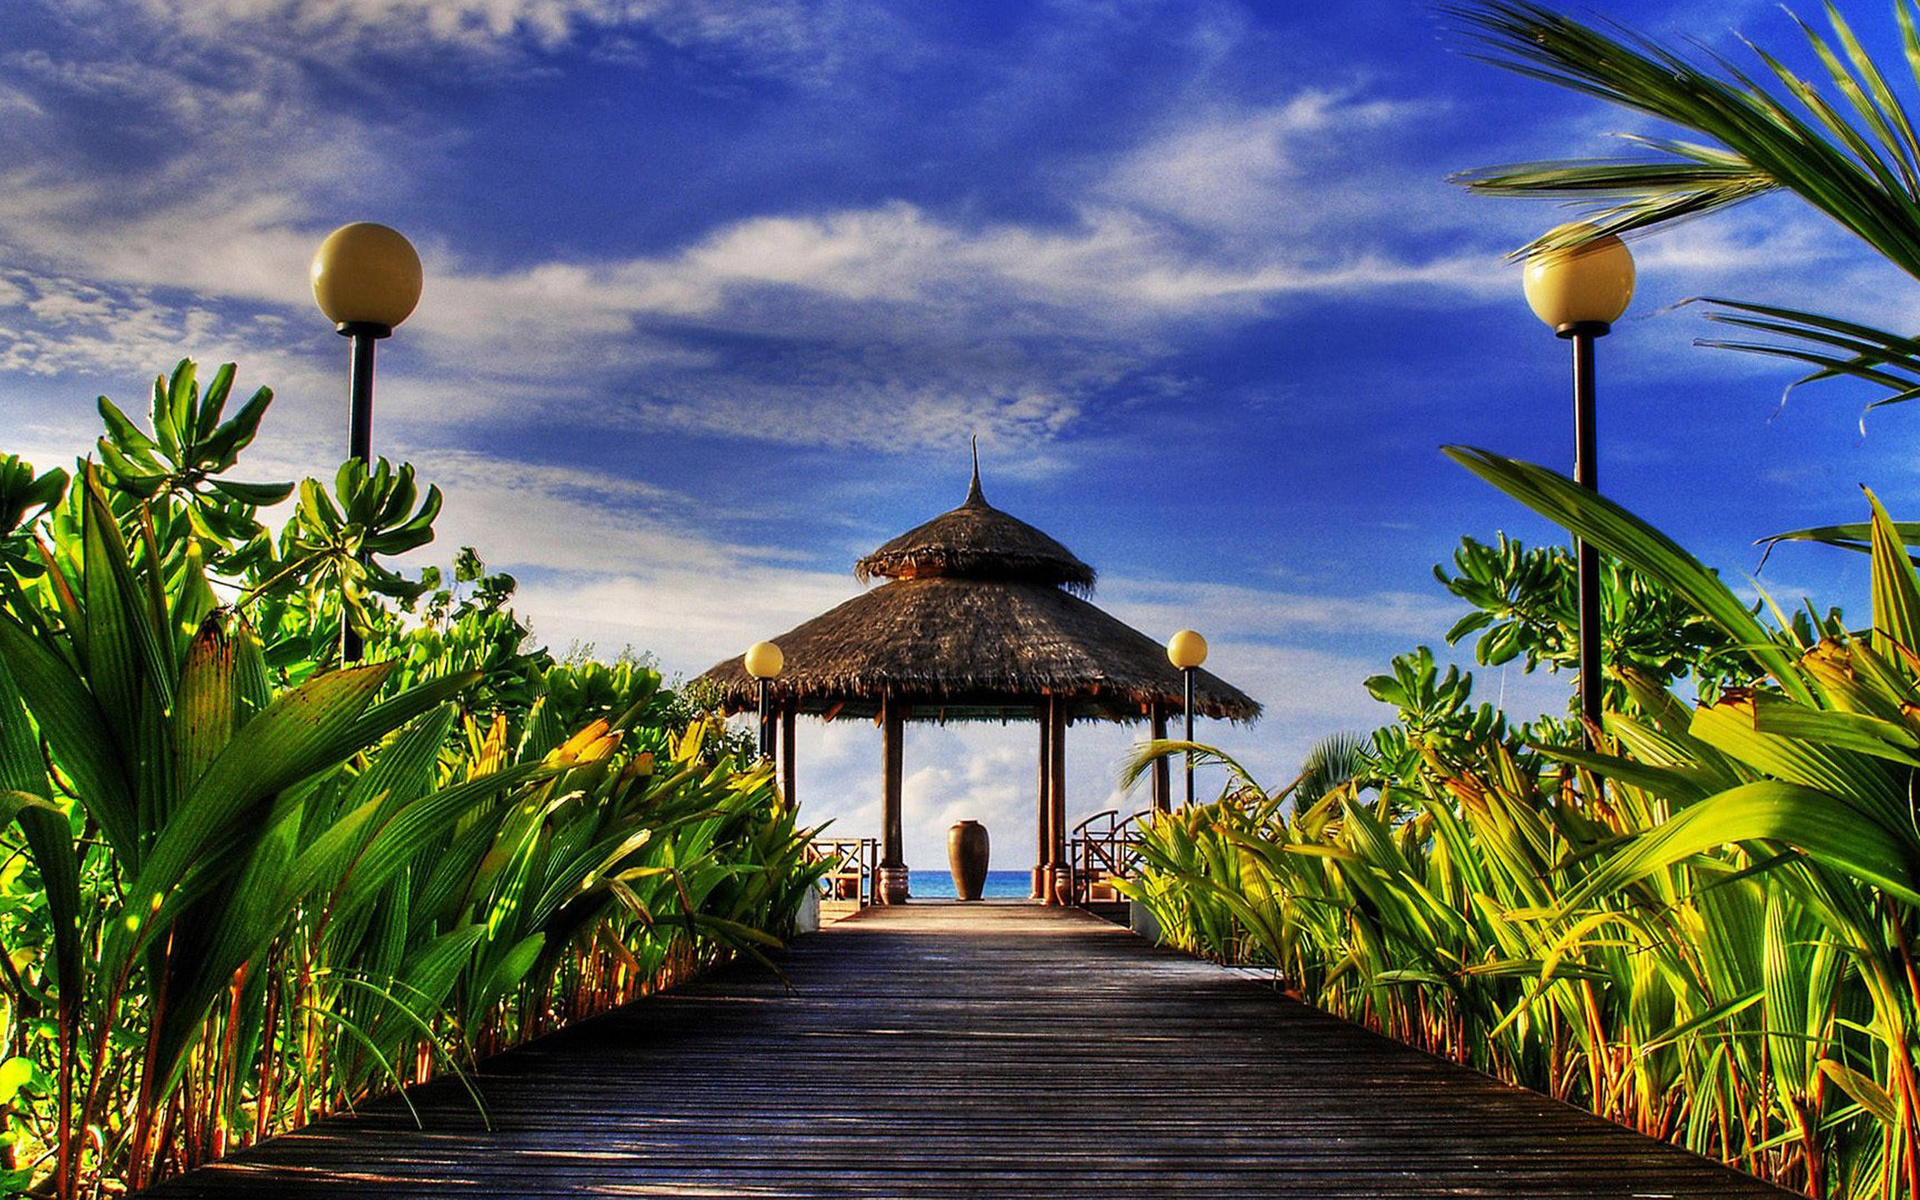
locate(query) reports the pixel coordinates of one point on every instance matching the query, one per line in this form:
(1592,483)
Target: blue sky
(717,294)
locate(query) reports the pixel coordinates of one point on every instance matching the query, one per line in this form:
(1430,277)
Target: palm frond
(1334,760)
(1858,536)
(1856,162)
(1836,348)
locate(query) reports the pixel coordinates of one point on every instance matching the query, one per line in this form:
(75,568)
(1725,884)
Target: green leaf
(1870,1095)
(83,741)
(1896,587)
(1674,785)
(21,767)
(1762,143)
(1858,732)
(127,439)
(363,863)
(513,966)
(213,401)
(258,494)
(208,706)
(50,841)
(222,446)
(128,474)
(173,398)
(15,1073)
(1856,536)
(110,611)
(1826,827)
(1733,727)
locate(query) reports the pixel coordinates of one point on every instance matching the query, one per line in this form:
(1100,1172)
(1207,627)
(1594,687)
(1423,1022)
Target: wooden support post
(1044,806)
(1162,769)
(893,861)
(788,719)
(1057,799)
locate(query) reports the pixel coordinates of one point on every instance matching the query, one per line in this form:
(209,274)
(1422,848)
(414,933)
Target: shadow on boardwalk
(971,1050)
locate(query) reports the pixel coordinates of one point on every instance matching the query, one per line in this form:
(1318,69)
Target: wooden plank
(984,1049)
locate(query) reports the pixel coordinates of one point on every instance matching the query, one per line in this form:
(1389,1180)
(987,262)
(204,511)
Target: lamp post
(765,662)
(366,279)
(1187,650)
(1580,291)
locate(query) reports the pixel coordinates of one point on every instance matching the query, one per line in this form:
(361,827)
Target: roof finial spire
(974,495)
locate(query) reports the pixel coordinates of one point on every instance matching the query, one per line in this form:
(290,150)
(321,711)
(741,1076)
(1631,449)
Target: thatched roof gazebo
(982,617)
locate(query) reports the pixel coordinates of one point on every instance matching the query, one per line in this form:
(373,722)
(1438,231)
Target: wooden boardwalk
(971,1050)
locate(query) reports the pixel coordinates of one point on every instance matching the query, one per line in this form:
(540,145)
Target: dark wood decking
(971,1050)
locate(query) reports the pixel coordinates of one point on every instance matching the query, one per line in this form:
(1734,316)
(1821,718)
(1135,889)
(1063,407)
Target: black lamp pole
(361,337)
(1186,677)
(1586,473)
(766,718)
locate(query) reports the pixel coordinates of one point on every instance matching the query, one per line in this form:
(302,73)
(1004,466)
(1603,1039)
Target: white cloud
(1236,611)
(890,325)
(789,39)
(55,325)
(1110,270)
(616,562)
(1240,169)
(691,618)
(1125,262)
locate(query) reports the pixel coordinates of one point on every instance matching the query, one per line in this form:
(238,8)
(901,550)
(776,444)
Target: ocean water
(1001,885)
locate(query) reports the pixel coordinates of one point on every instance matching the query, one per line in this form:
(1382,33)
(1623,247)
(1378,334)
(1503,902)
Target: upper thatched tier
(983,619)
(977,541)
(974,649)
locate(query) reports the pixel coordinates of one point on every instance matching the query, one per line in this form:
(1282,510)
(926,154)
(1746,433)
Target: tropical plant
(189,447)
(1524,610)
(190,774)
(176,470)
(246,888)
(24,498)
(332,541)
(1703,928)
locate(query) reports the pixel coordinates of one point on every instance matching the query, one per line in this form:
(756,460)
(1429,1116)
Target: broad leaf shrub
(1703,929)
(247,886)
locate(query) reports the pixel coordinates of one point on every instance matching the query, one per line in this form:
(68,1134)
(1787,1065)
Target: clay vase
(967,856)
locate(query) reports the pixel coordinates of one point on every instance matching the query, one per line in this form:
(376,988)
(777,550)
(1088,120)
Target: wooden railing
(1102,848)
(855,866)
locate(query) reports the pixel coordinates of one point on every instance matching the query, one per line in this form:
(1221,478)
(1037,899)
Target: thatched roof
(977,541)
(982,620)
(968,649)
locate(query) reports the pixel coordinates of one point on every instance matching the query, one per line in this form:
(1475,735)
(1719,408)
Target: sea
(1001,885)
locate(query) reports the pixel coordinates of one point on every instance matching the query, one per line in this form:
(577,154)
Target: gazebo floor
(971,1050)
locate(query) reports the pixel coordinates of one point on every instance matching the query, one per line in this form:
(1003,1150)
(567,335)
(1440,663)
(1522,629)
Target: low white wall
(1140,919)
